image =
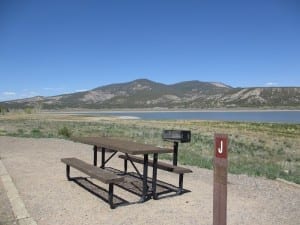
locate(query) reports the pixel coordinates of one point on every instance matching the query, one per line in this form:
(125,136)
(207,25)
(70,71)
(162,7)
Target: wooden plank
(160,165)
(124,146)
(95,172)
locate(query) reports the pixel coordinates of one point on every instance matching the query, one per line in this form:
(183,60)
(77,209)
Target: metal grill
(177,135)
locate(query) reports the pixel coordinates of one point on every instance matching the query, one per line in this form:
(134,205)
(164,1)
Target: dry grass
(259,149)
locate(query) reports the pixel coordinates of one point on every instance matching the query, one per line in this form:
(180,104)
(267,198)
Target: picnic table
(130,150)
(105,144)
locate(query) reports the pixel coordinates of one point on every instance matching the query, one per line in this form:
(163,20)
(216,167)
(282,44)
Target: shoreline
(92,111)
(254,115)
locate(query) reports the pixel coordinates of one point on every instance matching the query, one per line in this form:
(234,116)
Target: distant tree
(3,110)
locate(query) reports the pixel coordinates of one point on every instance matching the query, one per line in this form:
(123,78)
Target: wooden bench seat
(94,172)
(160,165)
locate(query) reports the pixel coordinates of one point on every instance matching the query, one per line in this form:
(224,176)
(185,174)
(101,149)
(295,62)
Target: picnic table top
(124,146)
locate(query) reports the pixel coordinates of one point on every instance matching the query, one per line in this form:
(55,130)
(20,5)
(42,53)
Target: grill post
(176,136)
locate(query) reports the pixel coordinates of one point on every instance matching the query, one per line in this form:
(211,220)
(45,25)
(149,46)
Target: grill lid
(177,135)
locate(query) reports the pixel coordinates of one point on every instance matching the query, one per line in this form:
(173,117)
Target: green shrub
(65,132)
(28,110)
(36,133)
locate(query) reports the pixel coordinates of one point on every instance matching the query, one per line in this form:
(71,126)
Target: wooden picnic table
(104,144)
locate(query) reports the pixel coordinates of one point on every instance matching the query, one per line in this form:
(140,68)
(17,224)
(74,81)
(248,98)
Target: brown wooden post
(220,180)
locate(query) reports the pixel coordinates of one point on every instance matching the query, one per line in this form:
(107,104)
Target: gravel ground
(39,176)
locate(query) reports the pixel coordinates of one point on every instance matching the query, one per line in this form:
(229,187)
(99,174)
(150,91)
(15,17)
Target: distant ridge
(144,93)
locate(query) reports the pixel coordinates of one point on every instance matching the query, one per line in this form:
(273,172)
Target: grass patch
(36,133)
(65,132)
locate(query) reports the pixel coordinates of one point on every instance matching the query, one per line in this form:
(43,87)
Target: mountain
(143,93)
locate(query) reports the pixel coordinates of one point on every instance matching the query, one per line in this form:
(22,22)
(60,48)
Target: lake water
(247,116)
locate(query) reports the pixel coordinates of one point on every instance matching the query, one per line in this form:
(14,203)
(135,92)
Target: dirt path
(38,174)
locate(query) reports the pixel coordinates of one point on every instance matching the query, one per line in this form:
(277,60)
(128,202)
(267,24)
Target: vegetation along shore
(256,149)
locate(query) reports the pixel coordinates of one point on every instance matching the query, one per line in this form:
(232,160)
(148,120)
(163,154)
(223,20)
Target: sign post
(220,180)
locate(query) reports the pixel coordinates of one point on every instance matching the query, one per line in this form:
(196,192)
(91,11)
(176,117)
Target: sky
(54,47)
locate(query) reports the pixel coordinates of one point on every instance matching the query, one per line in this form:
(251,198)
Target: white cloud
(81,90)
(29,94)
(9,93)
(53,89)
(271,84)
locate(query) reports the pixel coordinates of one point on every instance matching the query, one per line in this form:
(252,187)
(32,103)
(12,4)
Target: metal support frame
(103,161)
(111,195)
(68,172)
(180,186)
(135,168)
(175,153)
(125,166)
(102,158)
(110,157)
(154,175)
(145,177)
(110,190)
(95,155)
(145,195)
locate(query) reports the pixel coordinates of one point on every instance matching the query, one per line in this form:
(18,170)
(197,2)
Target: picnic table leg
(154,176)
(111,195)
(125,165)
(68,172)
(95,155)
(180,188)
(102,158)
(145,177)
(175,153)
